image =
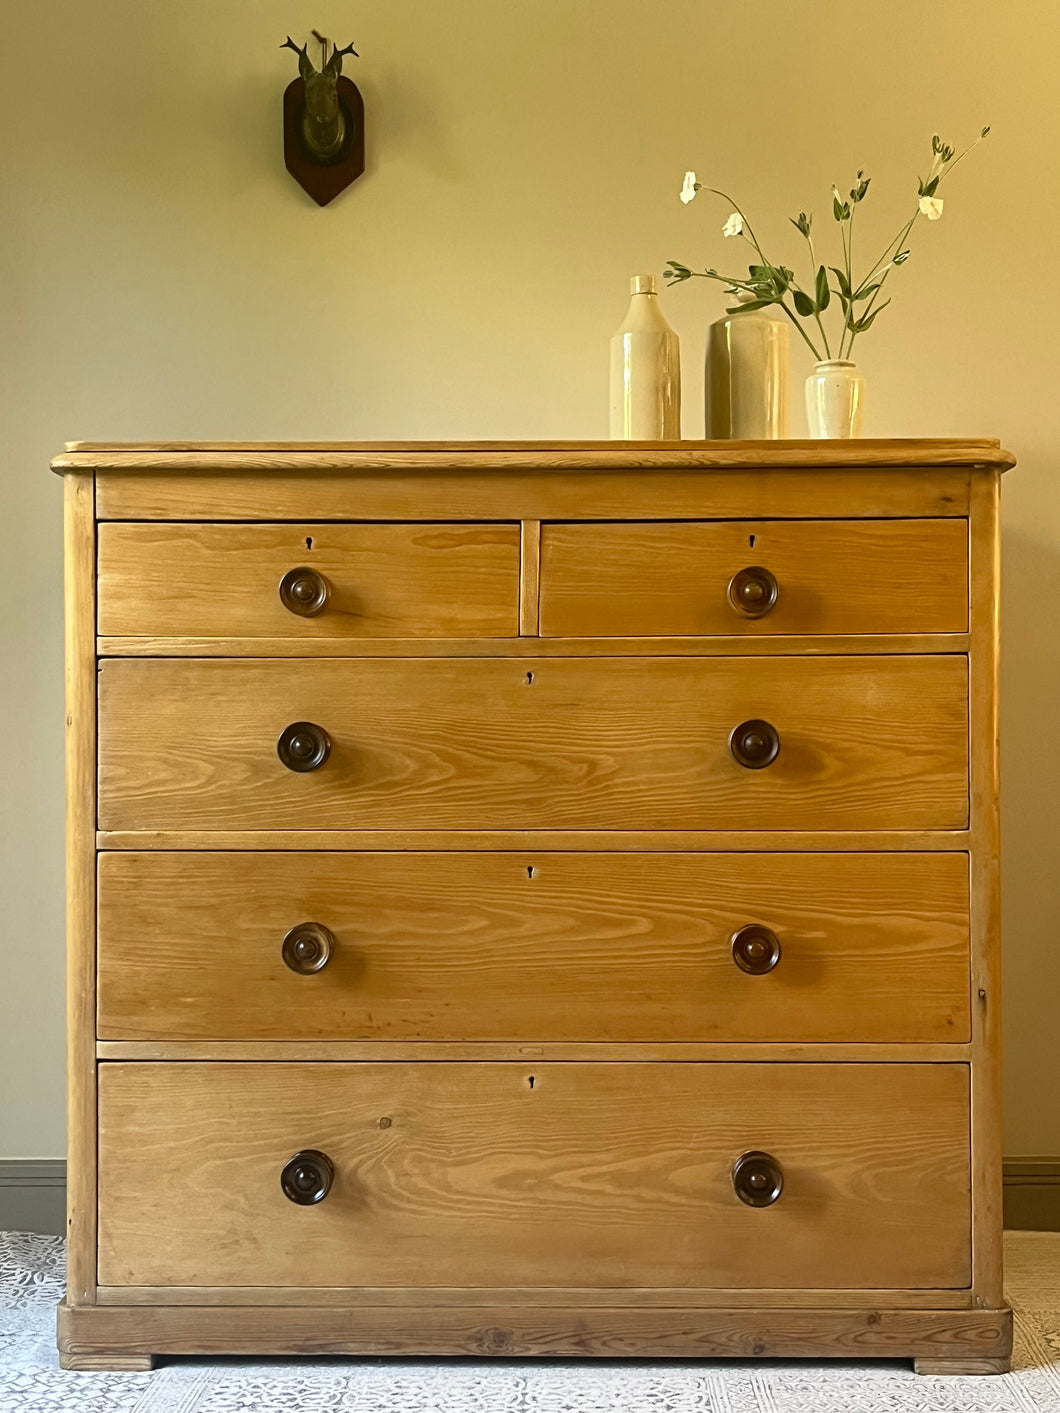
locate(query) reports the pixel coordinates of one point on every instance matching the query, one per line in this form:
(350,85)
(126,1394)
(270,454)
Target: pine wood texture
(566,946)
(866,742)
(976,1340)
(471,1172)
(531,1055)
(268,487)
(384,580)
(837,576)
(79,533)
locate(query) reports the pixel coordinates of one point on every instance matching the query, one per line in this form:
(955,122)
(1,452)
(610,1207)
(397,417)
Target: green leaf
(984,132)
(837,208)
(931,188)
(841,277)
(804,304)
(751,304)
(868,290)
(822,293)
(862,324)
(760,272)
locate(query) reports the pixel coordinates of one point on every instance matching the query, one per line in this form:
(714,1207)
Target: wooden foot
(962,1366)
(110,1363)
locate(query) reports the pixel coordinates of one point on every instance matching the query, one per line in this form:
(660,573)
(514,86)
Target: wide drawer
(754,577)
(297,581)
(863,743)
(609,1175)
(533,947)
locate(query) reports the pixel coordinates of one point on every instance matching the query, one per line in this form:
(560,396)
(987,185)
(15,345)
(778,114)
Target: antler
(305,63)
(334,64)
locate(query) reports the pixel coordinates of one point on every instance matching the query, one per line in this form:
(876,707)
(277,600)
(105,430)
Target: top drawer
(317,581)
(753,577)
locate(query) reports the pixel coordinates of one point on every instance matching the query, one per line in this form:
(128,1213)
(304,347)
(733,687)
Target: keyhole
(531,1081)
(309,541)
(751,541)
(529,870)
(529,678)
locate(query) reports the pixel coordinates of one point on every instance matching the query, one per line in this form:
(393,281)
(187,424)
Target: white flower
(688,191)
(931,207)
(733,226)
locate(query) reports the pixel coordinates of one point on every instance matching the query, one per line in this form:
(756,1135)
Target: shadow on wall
(1030,766)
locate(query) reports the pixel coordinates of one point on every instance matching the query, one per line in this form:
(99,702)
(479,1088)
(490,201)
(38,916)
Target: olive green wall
(161,276)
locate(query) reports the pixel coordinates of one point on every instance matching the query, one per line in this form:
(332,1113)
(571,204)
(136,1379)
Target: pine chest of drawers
(534,900)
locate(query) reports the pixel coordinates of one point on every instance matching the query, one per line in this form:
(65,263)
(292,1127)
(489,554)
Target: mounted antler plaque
(323,124)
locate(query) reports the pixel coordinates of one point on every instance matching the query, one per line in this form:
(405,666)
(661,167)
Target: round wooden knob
(755,949)
(757,1179)
(754,744)
(307,1178)
(303,746)
(304,591)
(753,591)
(307,948)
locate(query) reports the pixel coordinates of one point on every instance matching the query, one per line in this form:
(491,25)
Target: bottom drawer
(558,1174)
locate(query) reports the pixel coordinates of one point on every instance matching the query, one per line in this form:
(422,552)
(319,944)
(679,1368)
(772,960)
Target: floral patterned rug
(31,1274)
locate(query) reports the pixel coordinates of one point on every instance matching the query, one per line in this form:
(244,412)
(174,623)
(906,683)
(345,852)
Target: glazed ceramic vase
(645,370)
(835,394)
(746,375)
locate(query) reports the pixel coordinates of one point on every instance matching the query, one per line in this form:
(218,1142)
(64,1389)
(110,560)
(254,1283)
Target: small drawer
(797,1176)
(754,577)
(533,947)
(512,743)
(316,581)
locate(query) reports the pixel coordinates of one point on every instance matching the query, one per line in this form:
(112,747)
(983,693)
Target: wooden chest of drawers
(534,900)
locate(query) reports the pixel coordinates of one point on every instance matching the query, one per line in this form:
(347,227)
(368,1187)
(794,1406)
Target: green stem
(805,336)
(817,312)
(868,311)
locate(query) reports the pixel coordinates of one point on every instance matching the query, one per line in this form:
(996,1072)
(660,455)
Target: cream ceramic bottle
(645,370)
(746,384)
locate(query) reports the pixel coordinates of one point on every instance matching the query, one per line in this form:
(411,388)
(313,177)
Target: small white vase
(835,393)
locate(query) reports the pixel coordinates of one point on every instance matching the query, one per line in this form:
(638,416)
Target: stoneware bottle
(835,396)
(645,371)
(746,383)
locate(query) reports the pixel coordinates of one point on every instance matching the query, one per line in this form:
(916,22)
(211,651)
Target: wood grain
(860,643)
(605,840)
(607,947)
(962,1365)
(615,1175)
(275,487)
(834,576)
(385,580)
(529,578)
(482,1051)
(594,1299)
(80,673)
(986,892)
(560,456)
(771,1332)
(574,743)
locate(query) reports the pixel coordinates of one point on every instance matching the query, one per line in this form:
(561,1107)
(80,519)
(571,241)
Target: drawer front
(754,577)
(298,581)
(863,743)
(589,947)
(605,1175)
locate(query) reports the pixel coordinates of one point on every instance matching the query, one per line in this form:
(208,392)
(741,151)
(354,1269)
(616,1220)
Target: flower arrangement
(769,283)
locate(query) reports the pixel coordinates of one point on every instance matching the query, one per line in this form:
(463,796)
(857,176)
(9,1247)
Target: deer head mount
(323,123)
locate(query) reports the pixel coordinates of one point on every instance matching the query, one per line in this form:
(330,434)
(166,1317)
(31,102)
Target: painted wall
(161,276)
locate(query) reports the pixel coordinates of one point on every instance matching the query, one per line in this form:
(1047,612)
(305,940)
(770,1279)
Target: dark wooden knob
(304,591)
(754,744)
(757,1179)
(755,949)
(753,591)
(307,947)
(307,1178)
(303,746)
